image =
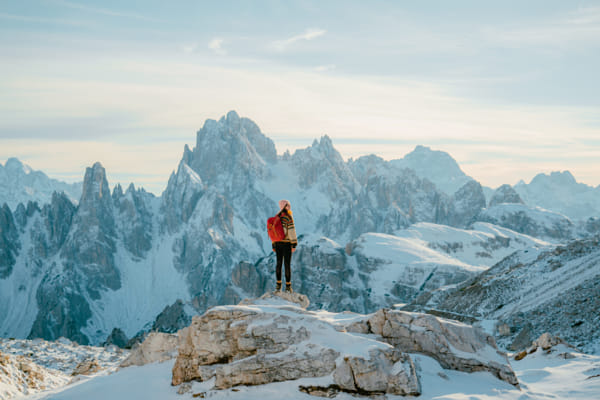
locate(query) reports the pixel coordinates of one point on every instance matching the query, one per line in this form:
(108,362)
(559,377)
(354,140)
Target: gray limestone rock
(454,345)
(467,202)
(157,347)
(385,371)
(9,244)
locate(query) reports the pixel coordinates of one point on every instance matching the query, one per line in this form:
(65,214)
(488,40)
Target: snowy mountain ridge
(115,261)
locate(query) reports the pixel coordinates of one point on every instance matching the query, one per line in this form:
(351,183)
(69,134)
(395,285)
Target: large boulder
(453,344)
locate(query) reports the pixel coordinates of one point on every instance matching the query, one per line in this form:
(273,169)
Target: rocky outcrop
(467,202)
(157,347)
(21,376)
(274,338)
(505,194)
(548,343)
(87,367)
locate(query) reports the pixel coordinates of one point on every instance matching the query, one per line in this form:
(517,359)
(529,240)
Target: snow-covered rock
(453,344)
(272,340)
(533,221)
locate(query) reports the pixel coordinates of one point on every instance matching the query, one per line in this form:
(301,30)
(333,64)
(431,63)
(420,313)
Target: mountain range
(373,233)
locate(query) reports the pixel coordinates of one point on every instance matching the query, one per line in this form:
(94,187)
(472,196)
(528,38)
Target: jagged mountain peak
(13,164)
(95,185)
(229,148)
(562,178)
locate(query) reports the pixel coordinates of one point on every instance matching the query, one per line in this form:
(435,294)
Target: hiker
(284,248)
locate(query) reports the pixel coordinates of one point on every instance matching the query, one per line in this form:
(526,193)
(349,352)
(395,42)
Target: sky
(509,89)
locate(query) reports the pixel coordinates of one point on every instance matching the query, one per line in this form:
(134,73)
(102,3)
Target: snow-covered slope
(21,184)
(557,372)
(533,291)
(534,221)
(542,376)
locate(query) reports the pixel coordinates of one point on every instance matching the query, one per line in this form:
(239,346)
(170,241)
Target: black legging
(284,253)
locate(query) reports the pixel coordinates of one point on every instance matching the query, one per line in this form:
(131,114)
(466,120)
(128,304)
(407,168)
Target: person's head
(284,204)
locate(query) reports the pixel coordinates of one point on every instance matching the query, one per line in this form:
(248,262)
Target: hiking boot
(278,286)
(288,287)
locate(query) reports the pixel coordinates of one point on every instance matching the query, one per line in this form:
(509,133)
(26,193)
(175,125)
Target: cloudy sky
(510,89)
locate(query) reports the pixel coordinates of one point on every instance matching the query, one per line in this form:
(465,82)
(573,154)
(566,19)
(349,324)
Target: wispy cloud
(309,34)
(216,45)
(102,11)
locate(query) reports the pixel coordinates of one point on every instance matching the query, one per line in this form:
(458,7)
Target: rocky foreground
(275,339)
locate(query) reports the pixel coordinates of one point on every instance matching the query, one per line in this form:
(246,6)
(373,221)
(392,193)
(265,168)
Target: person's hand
(293,249)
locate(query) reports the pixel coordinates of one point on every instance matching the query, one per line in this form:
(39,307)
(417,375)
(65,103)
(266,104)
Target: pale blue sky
(509,89)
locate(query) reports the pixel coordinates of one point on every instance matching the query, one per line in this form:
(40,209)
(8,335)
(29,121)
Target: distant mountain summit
(19,183)
(437,166)
(560,192)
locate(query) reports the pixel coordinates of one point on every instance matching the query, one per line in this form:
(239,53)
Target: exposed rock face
(88,264)
(91,247)
(172,318)
(9,245)
(505,194)
(467,202)
(157,347)
(58,216)
(133,211)
(117,337)
(272,339)
(385,371)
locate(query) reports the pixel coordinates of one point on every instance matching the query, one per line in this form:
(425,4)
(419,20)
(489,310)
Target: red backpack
(275,228)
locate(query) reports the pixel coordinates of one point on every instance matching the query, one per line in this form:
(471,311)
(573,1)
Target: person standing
(284,248)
